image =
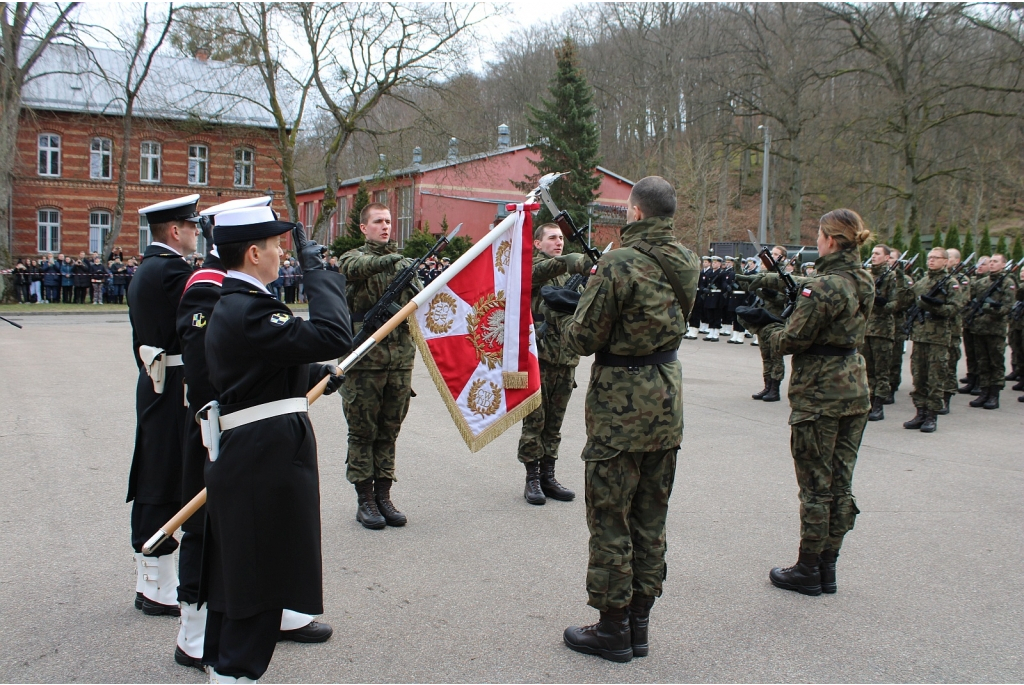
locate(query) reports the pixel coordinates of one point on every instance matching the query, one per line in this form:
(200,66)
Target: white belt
(715,290)
(173,360)
(292,405)
(155,362)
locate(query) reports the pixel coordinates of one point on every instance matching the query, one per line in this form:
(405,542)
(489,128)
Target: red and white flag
(477,339)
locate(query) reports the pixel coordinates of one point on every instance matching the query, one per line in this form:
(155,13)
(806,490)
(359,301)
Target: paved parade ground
(480,585)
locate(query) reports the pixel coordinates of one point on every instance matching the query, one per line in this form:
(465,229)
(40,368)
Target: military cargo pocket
(595,451)
(598,580)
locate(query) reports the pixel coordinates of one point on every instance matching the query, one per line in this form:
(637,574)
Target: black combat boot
(966,379)
(803,577)
(977,389)
(891,399)
(930,423)
(969,384)
(916,422)
(382,497)
(773,394)
(1014,375)
(533,492)
(609,638)
(639,618)
(767,389)
(1019,385)
(367,513)
(992,401)
(551,487)
(945,404)
(980,400)
(827,568)
(876,413)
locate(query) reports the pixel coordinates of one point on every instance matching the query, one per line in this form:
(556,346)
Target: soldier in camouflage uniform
(1015,337)
(904,298)
(538,444)
(632,317)
(828,395)
(956,331)
(971,383)
(931,334)
(766,286)
(989,329)
(376,393)
(878,339)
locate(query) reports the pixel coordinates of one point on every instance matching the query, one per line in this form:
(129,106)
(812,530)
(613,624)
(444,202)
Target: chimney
(453,149)
(202,54)
(382,164)
(504,139)
(417,155)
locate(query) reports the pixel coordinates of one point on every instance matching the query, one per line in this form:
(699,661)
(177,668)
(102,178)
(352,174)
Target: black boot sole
(138,600)
(641,650)
(559,497)
(621,656)
(151,608)
(810,590)
(829,588)
(535,502)
(372,525)
(183,659)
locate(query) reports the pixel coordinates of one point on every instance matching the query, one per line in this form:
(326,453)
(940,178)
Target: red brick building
(472,189)
(192,133)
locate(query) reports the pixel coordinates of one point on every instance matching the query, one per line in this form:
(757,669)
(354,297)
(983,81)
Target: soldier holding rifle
(878,338)
(986,317)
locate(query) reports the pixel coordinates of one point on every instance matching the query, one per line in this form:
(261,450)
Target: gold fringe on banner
(515,380)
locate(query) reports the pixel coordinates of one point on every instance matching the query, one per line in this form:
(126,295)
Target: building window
(99,227)
(243,168)
(197,165)
(339,218)
(404,214)
(99,159)
(150,172)
(49,230)
(49,155)
(144,236)
(381,196)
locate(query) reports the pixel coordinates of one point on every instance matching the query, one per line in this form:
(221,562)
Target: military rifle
(578,280)
(914,313)
(387,306)
(562,218)
(792,290)
(1017,311)
(974,307)
(897,263)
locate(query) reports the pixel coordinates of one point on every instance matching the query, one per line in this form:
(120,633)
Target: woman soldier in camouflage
(828,395)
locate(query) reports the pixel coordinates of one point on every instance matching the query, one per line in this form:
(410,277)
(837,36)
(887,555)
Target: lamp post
(762,234)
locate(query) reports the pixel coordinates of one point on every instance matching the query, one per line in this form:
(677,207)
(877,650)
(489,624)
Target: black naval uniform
(698,315)
(714,300)
(262,547)
(733,296)
(154,483)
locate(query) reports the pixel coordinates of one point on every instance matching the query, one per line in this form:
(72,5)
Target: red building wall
(75,195)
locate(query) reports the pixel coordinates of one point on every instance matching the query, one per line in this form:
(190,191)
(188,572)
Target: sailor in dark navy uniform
(262,544)
(697,322)
(154,483)
(714,299)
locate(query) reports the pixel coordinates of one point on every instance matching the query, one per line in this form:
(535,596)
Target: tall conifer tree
(953,239)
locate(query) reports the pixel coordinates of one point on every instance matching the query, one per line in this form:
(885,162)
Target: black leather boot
(930,422)
(966,379)
(992,401)
(891,399)
(827,568)
(767,389)
(977,389)
(533,492)
(367,513)
(945,404)
(1014,375)
(877,413)
(1019,385)
(551,487)
(803,577)
(773,394)
(639,618)
(916,422)
(382,496)
(980,400)
(609,638)
(969,384)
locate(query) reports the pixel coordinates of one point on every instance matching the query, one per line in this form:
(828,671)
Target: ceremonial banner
(476,337)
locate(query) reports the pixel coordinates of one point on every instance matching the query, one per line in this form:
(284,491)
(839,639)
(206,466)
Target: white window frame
(98,230)
(381,196)
(339,218)
(150,161)
(198,165)
(245,167)
(100,151)
(145,237)
(48,145)
(404,200)
(48,230)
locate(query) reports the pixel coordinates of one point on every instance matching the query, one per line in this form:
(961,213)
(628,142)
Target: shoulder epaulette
(208,276)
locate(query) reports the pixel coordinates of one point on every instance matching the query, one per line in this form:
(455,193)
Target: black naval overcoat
(715,281)
(153,297)
(262,546)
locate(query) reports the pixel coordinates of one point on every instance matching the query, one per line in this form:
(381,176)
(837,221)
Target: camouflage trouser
(878,358)
(972,357)
(896,361)
(929,364)
(991,353)
(627,503)
(952,379)
(542,427)
(824,454)
(375,403)
(772,367)
(1015,339)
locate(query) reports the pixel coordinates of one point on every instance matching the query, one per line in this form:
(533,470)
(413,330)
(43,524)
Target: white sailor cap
(729,258)
(243,203)
(178,209)
(716,258)
(251,223)
(705,258)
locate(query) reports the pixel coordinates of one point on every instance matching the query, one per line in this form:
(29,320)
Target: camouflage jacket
(882,322)
(767,286)
(629,309)
(552,271)
(992,319)
(367,281)
(935,323)
(832,309)
(1017,324)
(963,296)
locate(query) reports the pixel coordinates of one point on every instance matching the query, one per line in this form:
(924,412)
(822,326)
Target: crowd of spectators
(431,268)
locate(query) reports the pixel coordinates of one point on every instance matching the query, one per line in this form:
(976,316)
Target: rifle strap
(659,256)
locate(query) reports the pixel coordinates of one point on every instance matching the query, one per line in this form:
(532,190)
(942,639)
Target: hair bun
(863,235)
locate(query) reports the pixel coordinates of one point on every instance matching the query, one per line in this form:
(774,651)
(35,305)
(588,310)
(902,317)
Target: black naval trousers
(243,647)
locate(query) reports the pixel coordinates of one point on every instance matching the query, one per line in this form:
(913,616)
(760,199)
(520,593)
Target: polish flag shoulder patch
(806,292)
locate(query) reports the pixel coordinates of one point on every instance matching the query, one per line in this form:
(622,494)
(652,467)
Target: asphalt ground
(479,586)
